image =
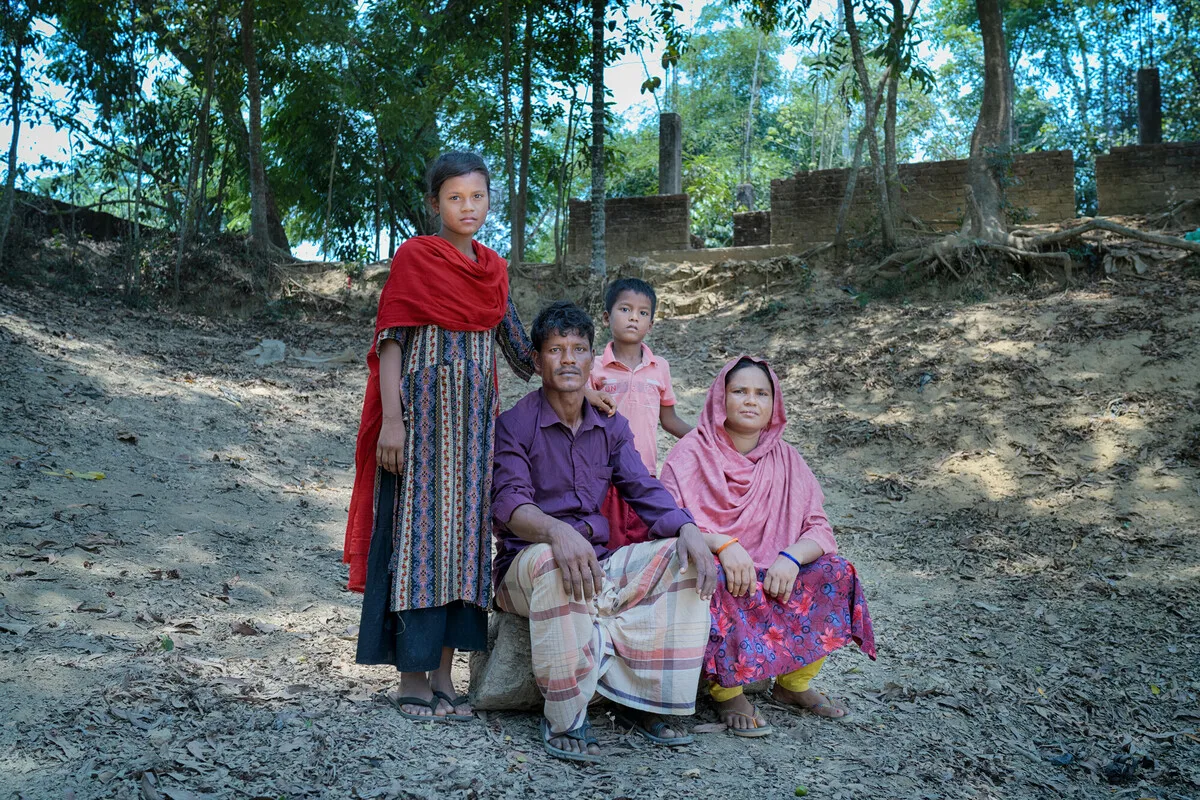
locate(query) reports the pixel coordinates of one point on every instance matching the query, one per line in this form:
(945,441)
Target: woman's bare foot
(440,682)
(739,714)
(810,700)
(416,684)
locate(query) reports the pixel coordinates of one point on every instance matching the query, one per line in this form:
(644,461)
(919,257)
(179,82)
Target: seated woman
(784,598)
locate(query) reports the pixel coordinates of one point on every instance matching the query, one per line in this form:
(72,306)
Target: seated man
(632,627)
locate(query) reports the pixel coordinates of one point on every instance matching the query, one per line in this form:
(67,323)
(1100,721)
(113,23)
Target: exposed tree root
(1021,246)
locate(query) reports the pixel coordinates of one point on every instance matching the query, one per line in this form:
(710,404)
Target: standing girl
(419,533)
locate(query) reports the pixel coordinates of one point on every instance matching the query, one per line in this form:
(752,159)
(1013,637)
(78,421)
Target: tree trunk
(561,195)
(260,238)
(891,169)
(750,111)
(510,166)
(599,257)
(199,154)
(871,107)
(10,183)
(839,236)
(991,141)
(329,190)
(520,218)
(222,182)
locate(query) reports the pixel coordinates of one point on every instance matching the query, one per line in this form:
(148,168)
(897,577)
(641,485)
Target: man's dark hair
(451,165)
(745,362)
(564,318)
(629,285)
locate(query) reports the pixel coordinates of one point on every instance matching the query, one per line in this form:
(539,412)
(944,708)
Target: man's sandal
(581,734)
(654,732)
(759,729)
(418,701)
(453,702)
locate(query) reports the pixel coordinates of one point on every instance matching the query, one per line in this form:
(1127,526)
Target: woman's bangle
(789,557)
(732,539)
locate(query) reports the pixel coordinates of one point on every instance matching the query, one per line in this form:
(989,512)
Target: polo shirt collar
(608,359)
(547,417)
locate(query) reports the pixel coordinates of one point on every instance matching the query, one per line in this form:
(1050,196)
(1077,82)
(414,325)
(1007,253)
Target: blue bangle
(791,558)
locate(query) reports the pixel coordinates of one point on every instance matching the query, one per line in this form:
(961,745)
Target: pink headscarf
(769,498)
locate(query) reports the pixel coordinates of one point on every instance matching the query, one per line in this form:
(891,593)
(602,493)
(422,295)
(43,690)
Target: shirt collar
(548,417)
(608,359)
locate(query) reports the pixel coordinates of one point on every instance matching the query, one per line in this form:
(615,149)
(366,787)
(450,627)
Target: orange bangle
(717,552)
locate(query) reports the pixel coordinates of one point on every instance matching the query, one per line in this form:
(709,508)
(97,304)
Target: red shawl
(431,283)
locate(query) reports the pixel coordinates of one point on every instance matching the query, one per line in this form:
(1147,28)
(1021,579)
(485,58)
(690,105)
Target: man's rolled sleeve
(642,491)
(512,478)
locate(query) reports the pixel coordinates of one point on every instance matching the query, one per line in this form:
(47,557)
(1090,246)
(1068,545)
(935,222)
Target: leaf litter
(1030,589)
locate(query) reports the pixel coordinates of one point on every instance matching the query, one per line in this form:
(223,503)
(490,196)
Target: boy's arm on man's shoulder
(672,423)
(512,473)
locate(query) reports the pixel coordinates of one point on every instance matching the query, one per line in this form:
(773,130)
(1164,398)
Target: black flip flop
(454,702)
(583,734)
(418,701)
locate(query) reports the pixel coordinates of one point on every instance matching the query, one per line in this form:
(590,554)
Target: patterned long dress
(433,522)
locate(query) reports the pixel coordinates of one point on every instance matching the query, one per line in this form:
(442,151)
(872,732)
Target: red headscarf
(768,498)
(431,283)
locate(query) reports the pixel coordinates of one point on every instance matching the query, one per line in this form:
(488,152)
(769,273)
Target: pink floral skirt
(757,637)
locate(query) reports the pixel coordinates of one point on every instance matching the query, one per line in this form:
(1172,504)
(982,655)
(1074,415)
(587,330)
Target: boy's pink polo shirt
(639,394)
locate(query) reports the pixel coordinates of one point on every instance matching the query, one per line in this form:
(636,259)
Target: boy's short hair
(564,318)
(630,285)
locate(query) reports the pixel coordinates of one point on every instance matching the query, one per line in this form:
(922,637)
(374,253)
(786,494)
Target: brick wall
(804,208)
(751,228)
(1145,178)
(633,226)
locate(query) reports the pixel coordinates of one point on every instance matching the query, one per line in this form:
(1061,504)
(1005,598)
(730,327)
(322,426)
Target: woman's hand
(781,579)
(739,570)
(600,401)
(389,451)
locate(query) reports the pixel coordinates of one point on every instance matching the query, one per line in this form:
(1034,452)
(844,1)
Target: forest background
(178,114)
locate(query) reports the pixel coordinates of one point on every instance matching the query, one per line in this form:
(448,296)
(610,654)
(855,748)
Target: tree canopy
(170,106)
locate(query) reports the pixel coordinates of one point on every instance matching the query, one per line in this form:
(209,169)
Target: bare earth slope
(1015,479)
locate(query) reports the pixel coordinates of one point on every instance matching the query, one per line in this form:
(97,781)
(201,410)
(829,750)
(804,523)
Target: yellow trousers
(797,681)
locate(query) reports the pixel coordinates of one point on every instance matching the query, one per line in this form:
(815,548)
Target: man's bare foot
(810,700)
(581,746)
(574,745)
(654,727)
(739,714)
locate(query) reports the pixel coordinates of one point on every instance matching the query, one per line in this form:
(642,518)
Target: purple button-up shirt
(539,461)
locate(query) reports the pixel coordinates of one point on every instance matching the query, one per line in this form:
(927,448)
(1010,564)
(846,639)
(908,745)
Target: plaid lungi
(640,642)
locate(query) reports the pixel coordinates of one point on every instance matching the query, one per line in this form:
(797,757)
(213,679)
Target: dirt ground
(1014,476)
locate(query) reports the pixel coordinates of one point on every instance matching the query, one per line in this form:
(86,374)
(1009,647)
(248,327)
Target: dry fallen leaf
(245,629)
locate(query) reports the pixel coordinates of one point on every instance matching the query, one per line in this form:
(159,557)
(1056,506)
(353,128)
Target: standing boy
(640,383)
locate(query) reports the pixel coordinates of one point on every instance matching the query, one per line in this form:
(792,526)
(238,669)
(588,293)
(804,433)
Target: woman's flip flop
(454,703)
(764,729)
(582,734)
(417,701)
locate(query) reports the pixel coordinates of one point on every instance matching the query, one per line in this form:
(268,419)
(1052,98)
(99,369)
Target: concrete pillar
(1149,106)
(670,154)
(744,197)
